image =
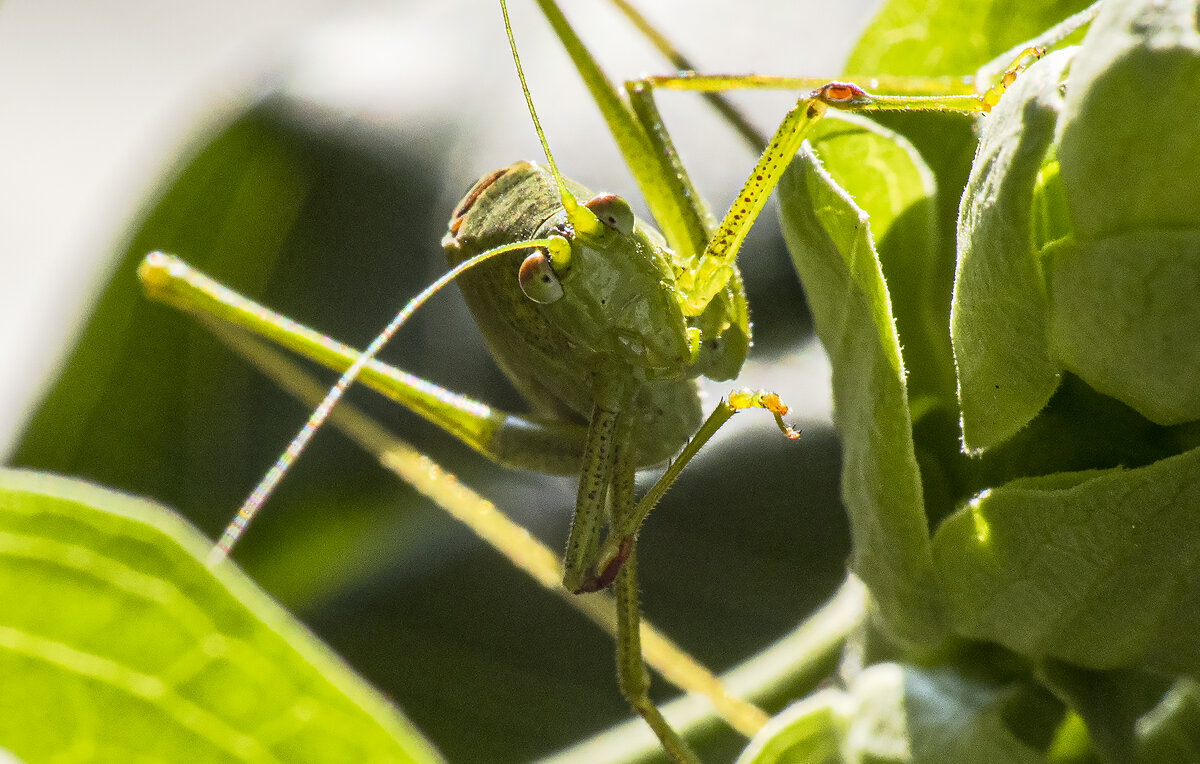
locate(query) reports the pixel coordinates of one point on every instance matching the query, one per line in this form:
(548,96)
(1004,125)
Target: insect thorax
(619,319)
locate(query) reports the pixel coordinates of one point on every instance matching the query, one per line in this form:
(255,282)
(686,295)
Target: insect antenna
(270,480)
(580,217)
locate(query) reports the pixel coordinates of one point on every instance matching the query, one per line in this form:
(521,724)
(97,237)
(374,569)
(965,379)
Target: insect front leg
(595,477)
(548,446)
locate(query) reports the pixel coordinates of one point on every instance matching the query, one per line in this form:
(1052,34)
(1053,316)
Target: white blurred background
(98,101)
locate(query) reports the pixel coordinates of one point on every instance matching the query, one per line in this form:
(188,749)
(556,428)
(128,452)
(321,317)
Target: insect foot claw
(744,399)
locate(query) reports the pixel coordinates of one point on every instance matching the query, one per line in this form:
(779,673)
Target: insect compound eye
(538,280)
(613,211)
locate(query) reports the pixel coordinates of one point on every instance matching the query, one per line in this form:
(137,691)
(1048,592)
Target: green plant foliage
(1135,210)
(905,713)
(1075,338)
(804,733)
(117,643)
(148,402)
(968,34)
(834,254)
(898,713)
(1006,375)
(1010,310)
(1095,568)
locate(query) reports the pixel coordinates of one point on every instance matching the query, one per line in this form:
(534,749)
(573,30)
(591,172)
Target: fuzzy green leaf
(929,716)
(896,713)
(998,319)
(1128,136)
(1098,568)
(1125,316)
(834,254)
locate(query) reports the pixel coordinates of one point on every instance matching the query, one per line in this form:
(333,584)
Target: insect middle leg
(632,676)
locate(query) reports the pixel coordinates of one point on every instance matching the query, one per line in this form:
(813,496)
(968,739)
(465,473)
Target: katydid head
(603,231)
(603,298)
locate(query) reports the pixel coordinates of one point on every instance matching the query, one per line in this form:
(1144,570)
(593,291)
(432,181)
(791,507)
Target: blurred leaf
(929,716)
(999,315)
(951,37)
(116,412)
(1171,730)
(117,641)
(148,402)
(806,732)
(897,713)
(1110,702)
(834,255)
(1094,568)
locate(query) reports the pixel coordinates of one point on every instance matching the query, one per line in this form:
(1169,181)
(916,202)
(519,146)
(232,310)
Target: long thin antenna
(270,481)
(569,202)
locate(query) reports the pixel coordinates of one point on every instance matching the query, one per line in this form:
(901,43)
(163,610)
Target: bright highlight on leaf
(116,640)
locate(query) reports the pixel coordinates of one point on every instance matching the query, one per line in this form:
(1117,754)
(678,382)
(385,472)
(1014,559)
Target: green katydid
(600,321)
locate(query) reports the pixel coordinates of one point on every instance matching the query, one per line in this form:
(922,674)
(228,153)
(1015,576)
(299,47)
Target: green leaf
(1124,316)
(832,249)
(998,322)
(116,642)
(148,402)
(1094,568)
(1124,312)
(807,732)
(1110,702)
(892,184)
(951,37)
(904,713)
(1129,132)
(1170,732)
(948,38)
(898,713)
